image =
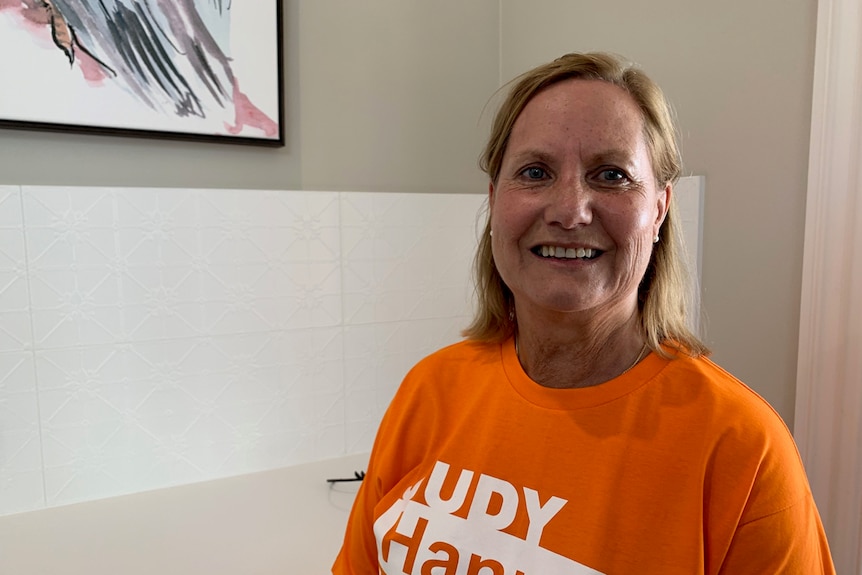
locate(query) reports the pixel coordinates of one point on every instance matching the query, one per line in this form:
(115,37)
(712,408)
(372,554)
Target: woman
(580,428)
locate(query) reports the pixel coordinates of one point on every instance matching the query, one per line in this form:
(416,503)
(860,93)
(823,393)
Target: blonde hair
(663,295)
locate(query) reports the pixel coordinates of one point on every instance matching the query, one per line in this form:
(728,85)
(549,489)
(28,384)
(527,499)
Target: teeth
(570,253)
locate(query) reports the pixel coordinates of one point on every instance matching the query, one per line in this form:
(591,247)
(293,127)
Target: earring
(491,233)
(655,239)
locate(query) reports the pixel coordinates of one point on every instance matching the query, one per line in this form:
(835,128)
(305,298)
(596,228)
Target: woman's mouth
(560,252)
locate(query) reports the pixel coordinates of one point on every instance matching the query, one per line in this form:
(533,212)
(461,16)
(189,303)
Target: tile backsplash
(155,337)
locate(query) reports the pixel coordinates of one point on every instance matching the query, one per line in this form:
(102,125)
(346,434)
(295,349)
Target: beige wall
(391,94)
(380,96)
(740,75)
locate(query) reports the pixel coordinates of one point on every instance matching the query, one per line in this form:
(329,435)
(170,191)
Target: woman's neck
(568,353)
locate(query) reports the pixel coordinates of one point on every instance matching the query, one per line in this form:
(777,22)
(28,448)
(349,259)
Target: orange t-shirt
(674,467)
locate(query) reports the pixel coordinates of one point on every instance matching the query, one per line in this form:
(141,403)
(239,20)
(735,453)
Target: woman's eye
(534,173)
(612,175)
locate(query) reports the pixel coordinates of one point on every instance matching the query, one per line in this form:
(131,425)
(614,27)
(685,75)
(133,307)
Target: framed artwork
(209,70)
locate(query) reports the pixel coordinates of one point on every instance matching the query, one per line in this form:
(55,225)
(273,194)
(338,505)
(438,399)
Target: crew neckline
(582,397)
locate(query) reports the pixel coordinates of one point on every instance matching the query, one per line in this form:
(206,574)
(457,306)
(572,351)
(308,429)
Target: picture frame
(196,70)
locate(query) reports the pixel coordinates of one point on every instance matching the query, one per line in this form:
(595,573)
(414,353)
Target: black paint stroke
(161,50)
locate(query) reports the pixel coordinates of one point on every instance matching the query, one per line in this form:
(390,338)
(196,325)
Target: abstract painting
(183,69)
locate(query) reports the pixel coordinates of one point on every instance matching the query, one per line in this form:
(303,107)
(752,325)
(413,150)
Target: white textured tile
(407,209)
(69,226)
(10,207)
(178,263)
(309,296)
(162,302)
(21,491)
(96,442)
(15,330)
(21,486)
(275,266)
(114,416)
(81,298)
(17,391)
(311,392)
(157,226)
(15,327)
(75,305)
(331,441)
(96,475)
(407,256)
(11,229)
(377,357)
(360,435)
(262,226)
(184,335)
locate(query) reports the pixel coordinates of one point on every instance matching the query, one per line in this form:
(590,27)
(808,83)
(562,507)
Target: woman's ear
(662,206)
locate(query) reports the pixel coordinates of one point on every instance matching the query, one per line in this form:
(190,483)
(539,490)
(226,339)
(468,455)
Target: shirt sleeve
(358,555)
(789,542)
(402,438)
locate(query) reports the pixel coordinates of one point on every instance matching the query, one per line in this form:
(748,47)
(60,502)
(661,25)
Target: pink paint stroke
(34,18)
(246,114)
(93,71)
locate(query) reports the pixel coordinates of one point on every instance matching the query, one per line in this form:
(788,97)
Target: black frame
(172,135)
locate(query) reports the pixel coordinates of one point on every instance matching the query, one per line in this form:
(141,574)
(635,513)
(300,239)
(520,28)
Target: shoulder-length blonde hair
(663,295)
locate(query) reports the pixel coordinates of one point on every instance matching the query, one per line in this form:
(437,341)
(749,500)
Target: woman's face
(576,206)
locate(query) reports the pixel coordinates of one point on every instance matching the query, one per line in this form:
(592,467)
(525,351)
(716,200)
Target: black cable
(357,476)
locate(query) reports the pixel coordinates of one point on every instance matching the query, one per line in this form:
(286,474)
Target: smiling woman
(581,428)
(588,187)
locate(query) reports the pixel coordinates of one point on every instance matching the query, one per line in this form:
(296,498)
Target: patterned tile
(157,227)
(407,256)
(15,331)
(117,419)
(376,359)
(21,485)
(111,266)
(70,244)
(75,306)
(185,335)
(69,226)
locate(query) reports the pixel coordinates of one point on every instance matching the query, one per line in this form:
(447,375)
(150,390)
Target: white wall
(157,337)
(740,76)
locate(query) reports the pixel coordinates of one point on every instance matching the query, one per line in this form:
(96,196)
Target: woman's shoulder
(748,437)
(728,406)
(443,372)
(717,402)
(708,380)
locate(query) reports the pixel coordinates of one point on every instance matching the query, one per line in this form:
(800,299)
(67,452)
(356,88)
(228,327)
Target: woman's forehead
(591,113)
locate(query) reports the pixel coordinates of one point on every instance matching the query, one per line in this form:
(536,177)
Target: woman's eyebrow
(613,156)
(531,154)
(617,156)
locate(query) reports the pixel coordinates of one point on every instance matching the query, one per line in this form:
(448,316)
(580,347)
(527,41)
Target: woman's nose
(569,205)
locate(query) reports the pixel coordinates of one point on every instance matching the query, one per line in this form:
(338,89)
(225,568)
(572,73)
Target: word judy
(422,538)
